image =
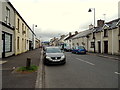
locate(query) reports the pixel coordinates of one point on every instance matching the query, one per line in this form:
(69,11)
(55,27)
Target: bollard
(28,63)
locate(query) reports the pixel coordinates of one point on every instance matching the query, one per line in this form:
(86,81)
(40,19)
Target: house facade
(82,39)
(7,25)
(69,41)
(105,39)
(37,43)
(21,34)
(30,34)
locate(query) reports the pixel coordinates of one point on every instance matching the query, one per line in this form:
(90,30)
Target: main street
(83,71)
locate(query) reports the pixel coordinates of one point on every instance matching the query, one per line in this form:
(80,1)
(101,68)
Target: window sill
(105,36)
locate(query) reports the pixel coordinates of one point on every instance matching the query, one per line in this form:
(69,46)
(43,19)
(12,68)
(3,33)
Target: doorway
(3,45)
(99,47)
(105,46)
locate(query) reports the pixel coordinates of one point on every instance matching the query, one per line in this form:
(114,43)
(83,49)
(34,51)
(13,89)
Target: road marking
(117,73)
(85,61)
(2,62)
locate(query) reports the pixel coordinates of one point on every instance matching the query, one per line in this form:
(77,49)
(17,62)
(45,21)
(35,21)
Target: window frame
(7,16)
(92,44)
(18,25)
(105,32)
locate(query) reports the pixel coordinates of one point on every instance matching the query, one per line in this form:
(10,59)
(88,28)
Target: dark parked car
(67,48)
(79,50)
(53,55)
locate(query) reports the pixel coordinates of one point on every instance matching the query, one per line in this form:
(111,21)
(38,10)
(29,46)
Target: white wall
(0,41)
(119,9)
(0,29)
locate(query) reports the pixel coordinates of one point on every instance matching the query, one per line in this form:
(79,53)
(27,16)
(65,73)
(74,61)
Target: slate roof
(70,37)
(83,33)
(112,24)
(97,29)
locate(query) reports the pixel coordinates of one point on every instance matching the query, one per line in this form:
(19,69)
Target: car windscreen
(80,47)
(53,50)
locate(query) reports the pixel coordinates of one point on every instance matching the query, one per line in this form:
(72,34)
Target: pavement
(19,80)
(115,57)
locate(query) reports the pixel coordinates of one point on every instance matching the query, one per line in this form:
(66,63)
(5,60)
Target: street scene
(59,44)
(83,71)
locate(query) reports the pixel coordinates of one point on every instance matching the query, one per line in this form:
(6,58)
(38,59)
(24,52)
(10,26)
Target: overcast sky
(56,17)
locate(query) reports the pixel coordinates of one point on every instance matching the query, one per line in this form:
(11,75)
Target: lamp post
(33,35)
(90,10)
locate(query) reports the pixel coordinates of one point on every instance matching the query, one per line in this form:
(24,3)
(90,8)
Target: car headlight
(48,57)
(63,57)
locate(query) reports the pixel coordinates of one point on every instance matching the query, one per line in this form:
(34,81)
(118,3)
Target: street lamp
(34,26)
(34,35)
(90,10)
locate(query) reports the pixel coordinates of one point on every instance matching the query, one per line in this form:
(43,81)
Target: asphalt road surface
(83,71)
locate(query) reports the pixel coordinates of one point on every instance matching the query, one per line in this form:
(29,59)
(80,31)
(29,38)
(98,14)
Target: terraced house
(21,34)
(16,36)
(105,38)
(7,24)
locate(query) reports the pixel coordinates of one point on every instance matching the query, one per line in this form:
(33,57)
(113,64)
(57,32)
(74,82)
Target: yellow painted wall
(23,37)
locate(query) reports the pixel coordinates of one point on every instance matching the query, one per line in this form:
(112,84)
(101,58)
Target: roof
(83,33)
(64,37)
(97,29)
(70,37)
(112,24)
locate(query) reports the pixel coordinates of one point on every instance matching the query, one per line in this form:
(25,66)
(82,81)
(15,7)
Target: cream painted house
(106,39)
(7,23)
(68,40)
(95,39)
(82,39)
(21,35)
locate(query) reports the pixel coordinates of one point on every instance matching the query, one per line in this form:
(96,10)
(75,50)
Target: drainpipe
(101,43)
(112,42)
(94,42)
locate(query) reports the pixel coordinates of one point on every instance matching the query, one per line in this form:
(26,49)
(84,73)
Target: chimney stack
(70,34)
(90,26)
(100,23)
(76,32)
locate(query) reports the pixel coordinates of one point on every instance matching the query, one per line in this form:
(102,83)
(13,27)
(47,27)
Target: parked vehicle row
(77,49)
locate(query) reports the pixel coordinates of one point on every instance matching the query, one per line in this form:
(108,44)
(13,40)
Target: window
(93,35)
(22,28)
(25,31)
(105,33)
(18,43)
(119,45)
(77,44)
(25,44)
(92,44)
(18,22)
(7,16)
(8,42)
(119,30)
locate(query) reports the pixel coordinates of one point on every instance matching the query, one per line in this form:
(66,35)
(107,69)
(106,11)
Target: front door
(99,47)
(105,46)
(3,45)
